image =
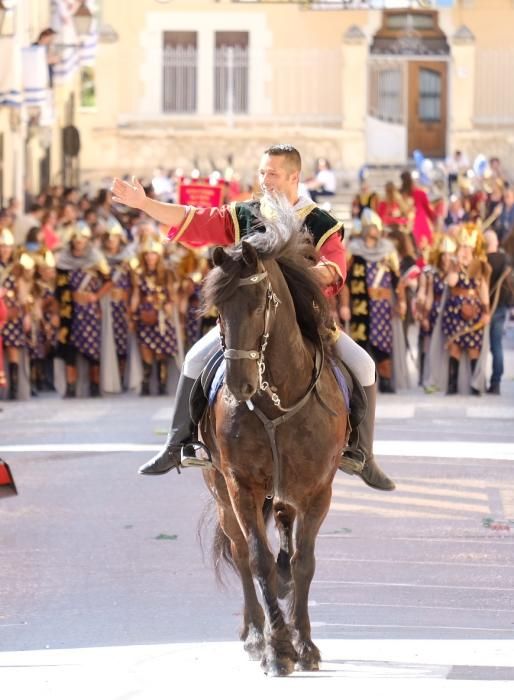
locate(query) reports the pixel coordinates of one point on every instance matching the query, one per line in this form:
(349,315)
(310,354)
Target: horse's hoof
(254,648)
(307,665)
(278,667)
(254,642)
(309,657)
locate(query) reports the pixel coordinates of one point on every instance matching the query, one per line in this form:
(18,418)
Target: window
(231,73)
(180,71)
(413,21)
(429,95)
(386,93)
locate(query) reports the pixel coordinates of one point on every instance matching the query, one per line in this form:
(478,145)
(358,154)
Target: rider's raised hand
(130,194)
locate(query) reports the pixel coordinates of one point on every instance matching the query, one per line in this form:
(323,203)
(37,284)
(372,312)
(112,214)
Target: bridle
(272,302)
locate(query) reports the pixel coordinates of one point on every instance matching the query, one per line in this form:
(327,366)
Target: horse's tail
(221,545)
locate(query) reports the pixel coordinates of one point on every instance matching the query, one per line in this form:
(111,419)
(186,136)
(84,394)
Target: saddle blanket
(338,374)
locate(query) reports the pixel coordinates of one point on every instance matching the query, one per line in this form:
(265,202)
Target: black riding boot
(180,434)
(13,380)
(358,457)
(453,375)
(147,372)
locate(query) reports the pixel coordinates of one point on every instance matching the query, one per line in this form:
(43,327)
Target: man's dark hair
(46,32)
(290,153)
(35,208)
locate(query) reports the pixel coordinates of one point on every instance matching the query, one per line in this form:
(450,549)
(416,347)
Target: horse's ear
(218,256)
(249,254)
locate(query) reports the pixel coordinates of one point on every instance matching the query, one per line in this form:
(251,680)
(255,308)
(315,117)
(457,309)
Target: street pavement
(107,588)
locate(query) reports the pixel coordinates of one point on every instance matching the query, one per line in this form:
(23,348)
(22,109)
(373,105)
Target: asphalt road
(95,557)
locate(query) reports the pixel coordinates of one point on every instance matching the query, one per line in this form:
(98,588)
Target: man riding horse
(279,174)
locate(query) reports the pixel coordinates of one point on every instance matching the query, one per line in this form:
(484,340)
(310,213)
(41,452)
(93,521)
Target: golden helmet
(371,218)
(115,229)
(469,235)
(446,244)
(45,259)
(6,237)
(151,246)
(80,230)
(27,261)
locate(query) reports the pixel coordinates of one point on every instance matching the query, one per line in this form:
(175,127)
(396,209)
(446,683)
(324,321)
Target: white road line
(403,498)
(429,488)
(349,560)
(488,589)
(490,412)
(501,451)
(395,511)
(401,606)
(456,449)
(365,625)
(81,447)
(456,541)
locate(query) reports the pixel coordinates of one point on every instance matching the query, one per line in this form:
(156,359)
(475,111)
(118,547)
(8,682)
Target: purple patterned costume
(454,323)
(164,343)
(380,334)
(121,284)
(13,334)
(87,322)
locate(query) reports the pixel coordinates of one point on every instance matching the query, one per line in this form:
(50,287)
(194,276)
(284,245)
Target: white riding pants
(357,359)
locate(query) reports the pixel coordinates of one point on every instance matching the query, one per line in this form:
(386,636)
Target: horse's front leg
(284,519)
(252,632)
(279,655)
(303,566)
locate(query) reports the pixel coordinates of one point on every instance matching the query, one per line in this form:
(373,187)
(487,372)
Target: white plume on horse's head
(284,233)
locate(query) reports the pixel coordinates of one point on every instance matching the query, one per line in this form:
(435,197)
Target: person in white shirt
(324,184)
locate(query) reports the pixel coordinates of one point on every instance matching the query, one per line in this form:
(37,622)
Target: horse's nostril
(247,390)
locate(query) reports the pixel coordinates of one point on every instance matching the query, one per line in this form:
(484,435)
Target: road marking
(395,511)
(364,625)
(401,606)
(82,447)
(351,560)
(400,498)
(460,450)
(501,451)
(491,412)
(403,411)
(396,584)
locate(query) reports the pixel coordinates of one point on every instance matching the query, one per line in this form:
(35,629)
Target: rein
(271,424)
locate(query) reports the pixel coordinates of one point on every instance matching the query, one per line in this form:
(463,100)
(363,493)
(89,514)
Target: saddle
(199,397)
(205,389)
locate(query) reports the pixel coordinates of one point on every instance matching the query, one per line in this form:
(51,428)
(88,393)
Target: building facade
(200,83)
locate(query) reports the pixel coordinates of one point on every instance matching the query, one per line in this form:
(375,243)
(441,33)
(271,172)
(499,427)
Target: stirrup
(188,460)
(352,462)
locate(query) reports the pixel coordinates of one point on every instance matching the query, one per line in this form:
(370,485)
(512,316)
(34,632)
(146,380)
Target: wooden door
(427,108)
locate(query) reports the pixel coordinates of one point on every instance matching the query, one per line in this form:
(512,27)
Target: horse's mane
(286,241)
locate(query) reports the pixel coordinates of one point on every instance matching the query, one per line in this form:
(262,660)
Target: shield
(7,485)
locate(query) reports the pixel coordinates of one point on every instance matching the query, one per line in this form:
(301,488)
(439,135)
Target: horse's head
(246,312)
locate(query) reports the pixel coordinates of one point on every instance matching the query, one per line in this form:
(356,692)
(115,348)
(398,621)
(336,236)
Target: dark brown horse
(272,316)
